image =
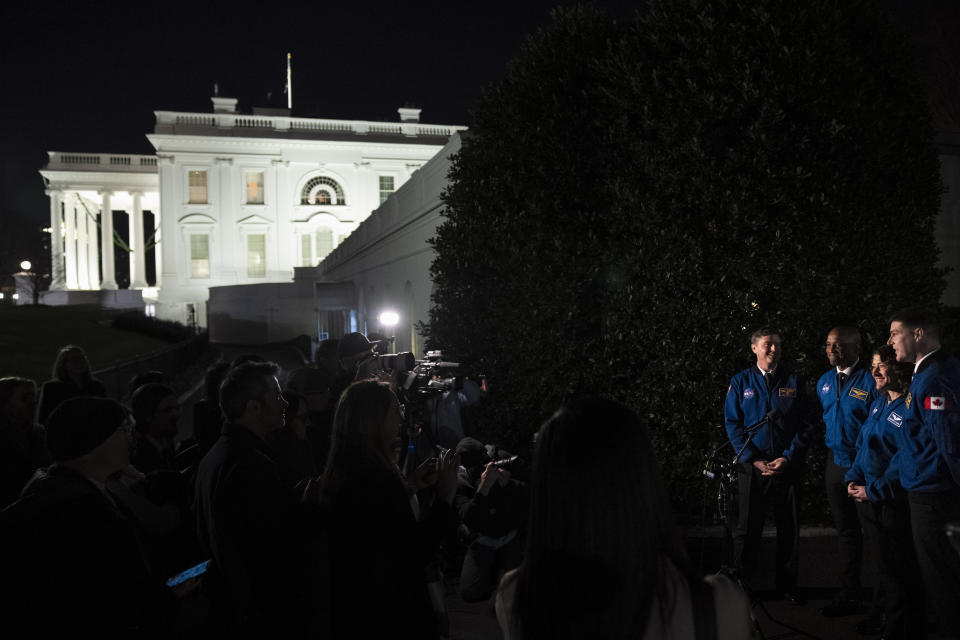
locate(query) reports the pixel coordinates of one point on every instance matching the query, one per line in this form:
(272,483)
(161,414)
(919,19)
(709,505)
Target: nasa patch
(825,389)
(748,393)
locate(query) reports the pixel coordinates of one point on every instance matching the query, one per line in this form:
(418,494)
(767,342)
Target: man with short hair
(246,513)
(767,395)
(929,449)
(846,393)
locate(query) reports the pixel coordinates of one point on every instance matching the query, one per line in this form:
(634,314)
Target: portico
(86,192)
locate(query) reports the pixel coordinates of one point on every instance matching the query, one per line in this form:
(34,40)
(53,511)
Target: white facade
(239,199)
(383,265)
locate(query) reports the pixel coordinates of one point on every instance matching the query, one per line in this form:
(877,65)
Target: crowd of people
(892,474)
(321,508)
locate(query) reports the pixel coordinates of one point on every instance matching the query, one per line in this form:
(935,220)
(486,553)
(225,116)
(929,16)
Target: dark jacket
(72,560)
(502,510)
(22,452)
(379,555)
(148,457)
(53,392)
(246,522)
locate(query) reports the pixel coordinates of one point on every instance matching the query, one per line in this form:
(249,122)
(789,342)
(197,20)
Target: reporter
(603,557)
(378,549)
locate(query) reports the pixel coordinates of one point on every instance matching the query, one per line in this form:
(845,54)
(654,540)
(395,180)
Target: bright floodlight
(25,265)
(389,318)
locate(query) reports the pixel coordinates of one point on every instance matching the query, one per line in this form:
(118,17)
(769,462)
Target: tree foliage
(633,199)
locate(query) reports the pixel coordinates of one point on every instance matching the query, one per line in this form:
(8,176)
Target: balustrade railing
(101,162)
(170,122)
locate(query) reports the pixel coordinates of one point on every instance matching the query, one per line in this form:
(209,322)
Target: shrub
(632,200)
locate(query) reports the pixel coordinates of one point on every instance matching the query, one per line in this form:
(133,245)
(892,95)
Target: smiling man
(929,446)
(767,392)
(846,392)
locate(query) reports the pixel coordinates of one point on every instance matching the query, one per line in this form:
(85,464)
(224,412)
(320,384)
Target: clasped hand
(772,468)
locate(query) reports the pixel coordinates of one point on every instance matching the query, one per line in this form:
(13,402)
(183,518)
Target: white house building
(229,199)
(265,227)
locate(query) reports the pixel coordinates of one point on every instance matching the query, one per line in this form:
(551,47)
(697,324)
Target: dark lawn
(30,337)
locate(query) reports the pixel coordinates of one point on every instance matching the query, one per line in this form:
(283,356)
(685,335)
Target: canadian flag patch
(935,403)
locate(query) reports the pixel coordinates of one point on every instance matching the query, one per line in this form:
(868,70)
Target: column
(56,240)
(70,242)
(138,262)
(158,247)
(106,239)
(93,253)
(84,278)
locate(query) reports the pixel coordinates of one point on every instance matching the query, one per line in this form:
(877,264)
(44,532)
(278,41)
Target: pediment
(255,220)
(196,218)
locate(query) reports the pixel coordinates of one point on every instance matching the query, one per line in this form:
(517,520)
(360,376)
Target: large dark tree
(632,200)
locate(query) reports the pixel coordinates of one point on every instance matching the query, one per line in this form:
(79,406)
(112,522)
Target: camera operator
(493,508)
(444,411)
(356,354)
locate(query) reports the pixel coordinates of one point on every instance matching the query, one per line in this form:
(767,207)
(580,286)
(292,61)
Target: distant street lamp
(27,284)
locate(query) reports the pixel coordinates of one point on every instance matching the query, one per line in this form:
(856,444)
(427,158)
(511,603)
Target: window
(198,187)
(256,255)
(199,256)
(386,188)
(254,180)
(324,243)
(306,251)
(322,197)
(309,193)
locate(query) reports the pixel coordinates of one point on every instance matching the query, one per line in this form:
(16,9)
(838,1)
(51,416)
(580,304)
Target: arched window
(322,190)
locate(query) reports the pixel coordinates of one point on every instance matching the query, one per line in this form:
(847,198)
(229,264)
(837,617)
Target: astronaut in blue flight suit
(846,393)
(881,502)
(769,464)
(929,446)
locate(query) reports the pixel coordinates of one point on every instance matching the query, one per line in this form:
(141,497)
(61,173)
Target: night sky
(87,76)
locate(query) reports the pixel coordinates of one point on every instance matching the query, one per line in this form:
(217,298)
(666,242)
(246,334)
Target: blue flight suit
(886,518)
(748,401)
(845,407)
(930,472)
(844,410)
(786,434)
(877,465)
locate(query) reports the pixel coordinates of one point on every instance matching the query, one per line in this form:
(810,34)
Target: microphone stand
(751,431)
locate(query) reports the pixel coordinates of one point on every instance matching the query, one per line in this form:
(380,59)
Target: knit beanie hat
(472,453)
(79,425)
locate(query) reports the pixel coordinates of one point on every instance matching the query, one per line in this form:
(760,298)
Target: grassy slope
(31,336)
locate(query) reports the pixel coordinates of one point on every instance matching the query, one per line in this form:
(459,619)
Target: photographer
(493,508)
(356,354)
(446,424)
